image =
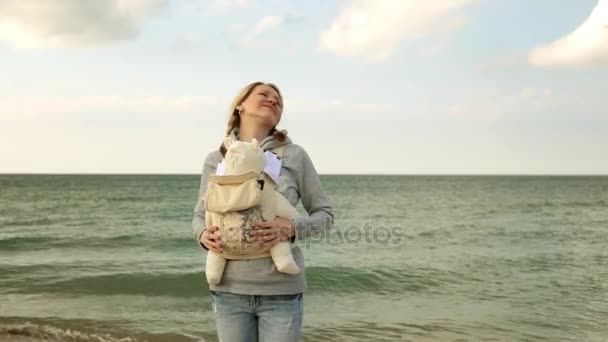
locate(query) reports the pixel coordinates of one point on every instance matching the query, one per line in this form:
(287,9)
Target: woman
(255,302)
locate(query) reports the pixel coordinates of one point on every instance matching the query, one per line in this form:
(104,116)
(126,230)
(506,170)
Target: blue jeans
(247,318)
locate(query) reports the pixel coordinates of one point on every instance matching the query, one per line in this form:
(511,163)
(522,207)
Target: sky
(370,86)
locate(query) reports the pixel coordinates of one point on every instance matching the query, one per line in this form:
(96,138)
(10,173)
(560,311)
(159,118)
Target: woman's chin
(268,119)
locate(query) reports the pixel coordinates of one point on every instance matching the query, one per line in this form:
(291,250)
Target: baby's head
(243,157)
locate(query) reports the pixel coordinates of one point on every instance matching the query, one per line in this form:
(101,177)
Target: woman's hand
(267,234)
(211,239)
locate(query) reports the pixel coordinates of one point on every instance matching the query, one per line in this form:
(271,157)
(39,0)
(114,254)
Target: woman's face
(264,104)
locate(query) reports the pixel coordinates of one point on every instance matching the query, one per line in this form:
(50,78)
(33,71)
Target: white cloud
(29,107)
(225,5)
(334,107)
(186,43)
(504,61)
(372,29)
(525,100)
(585,46)
(268,23)
(68,23)
(444,35)
(265,24)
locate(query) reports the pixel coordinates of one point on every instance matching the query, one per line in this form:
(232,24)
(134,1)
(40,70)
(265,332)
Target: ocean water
(411,258)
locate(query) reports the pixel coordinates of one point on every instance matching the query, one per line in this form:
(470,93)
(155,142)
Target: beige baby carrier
(234,202)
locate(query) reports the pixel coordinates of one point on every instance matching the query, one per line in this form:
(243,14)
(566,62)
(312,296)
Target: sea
(410,258)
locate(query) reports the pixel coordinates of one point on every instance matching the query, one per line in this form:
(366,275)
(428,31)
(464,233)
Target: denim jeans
(256,318)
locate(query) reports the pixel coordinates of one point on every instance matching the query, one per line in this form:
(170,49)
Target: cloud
(525,100)
(505,61)
(266,23)
(372,30)
(225,5)
(263,25)
(186,43)
(72,23)
(444,35)
(30,107)
(335,107)
(586,46)
(35,106)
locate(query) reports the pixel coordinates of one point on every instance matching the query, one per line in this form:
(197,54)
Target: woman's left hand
(269,233)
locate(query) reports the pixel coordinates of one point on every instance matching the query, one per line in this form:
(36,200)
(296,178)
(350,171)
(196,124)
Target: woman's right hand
(211,239)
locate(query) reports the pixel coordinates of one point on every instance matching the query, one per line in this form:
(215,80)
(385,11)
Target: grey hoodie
(259,276)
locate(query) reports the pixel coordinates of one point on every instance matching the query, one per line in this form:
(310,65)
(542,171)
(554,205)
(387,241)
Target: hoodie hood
(267,143)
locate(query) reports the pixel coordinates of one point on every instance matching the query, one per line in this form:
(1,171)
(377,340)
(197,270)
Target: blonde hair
(234,121)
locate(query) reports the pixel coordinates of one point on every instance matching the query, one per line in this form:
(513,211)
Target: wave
(387,281)
(42,221)
(396,331)
(335,280)
(131,199)
(16,243)
(33,332)
(427,330)
(63,331)
(555,204)
(112,242)
(191,284)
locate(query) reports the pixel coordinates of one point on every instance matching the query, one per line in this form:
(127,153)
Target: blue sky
(371,86)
